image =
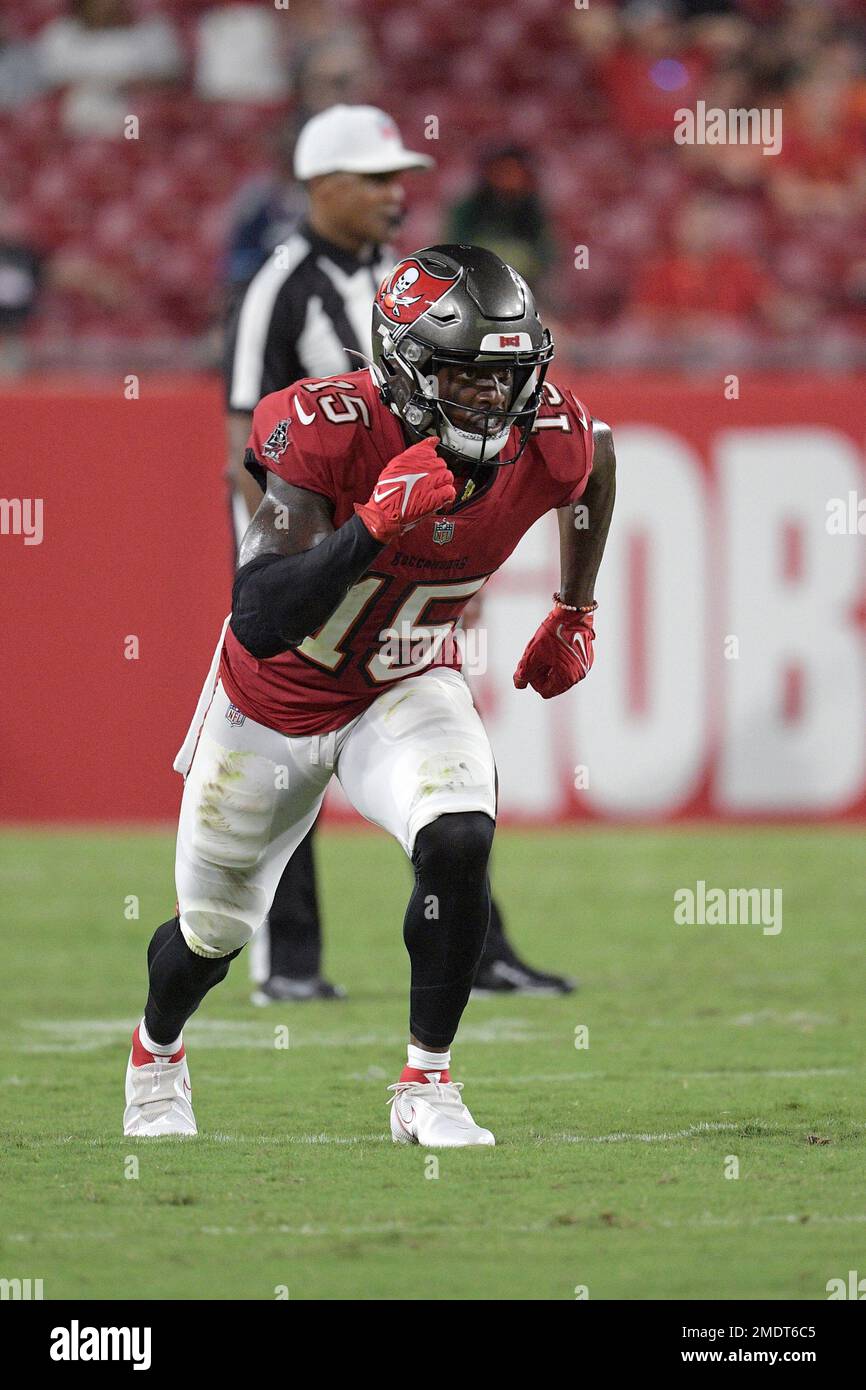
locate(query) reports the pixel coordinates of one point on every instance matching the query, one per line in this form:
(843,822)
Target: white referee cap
(353,140)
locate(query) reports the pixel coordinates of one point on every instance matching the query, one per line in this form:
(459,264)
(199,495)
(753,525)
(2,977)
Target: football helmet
(458,305)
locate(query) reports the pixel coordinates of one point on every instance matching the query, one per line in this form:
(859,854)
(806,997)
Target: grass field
(609,1171)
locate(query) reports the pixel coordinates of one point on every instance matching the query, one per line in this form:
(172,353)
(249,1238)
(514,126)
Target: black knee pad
(458,842)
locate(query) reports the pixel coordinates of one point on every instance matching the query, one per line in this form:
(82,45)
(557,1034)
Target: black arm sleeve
(278,600)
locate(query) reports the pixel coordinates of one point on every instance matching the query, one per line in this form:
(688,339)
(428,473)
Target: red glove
(413,485)
(559,655)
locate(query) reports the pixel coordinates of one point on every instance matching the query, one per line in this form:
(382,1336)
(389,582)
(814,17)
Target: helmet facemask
(408,373)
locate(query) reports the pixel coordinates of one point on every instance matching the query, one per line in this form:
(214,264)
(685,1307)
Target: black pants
(294,927)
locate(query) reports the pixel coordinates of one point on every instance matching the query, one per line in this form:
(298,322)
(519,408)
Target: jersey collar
(481,490)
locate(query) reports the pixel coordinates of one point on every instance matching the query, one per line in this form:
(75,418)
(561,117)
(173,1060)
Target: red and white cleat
(158,1094)
(432,1113)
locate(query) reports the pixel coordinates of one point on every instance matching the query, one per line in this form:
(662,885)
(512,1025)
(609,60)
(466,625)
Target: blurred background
(708,301)
(554,131)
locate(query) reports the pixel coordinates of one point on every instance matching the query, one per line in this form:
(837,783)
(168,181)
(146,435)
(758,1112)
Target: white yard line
(90,1035)
(585,1224)
(531,1228)
(564,1077)
(110,1142)
(802,1018)
(620,1137)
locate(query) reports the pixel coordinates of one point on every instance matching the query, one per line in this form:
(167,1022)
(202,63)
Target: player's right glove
(413,485)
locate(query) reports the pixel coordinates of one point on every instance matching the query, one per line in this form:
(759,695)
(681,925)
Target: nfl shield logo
(234,715)
(443,532)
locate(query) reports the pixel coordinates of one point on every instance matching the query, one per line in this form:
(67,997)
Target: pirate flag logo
(410,290)
(277,441)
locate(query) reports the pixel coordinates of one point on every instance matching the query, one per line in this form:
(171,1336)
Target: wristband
(575,608)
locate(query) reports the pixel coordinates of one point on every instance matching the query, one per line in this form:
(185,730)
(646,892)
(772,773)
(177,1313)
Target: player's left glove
(559,655)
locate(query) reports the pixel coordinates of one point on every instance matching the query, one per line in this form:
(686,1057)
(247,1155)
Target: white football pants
(251,794)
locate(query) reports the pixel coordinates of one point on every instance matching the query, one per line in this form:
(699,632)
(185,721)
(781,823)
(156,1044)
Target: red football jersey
(334,437)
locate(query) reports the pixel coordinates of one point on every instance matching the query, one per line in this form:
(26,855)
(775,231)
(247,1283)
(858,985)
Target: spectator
(700,279)
(97,52)
(822,168)
(338,69)
(20,273)
(702,293)
(265,210)
(653,70)
(238,55)
(505,213)
(20,76)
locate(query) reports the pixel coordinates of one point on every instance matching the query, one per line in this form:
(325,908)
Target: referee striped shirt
(310,301)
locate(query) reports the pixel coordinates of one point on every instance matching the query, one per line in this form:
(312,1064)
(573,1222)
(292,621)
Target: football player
(393,494)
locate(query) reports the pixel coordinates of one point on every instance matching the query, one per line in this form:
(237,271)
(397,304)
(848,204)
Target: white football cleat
(158,1094)
(432,1113)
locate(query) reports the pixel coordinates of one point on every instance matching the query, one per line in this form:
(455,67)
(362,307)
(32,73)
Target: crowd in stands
(145,166)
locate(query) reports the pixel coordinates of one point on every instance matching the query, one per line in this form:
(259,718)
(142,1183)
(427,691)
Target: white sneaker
(158,1094)
(432,1113)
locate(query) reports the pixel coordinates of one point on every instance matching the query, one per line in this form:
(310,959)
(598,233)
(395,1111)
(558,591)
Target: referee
(302,315)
